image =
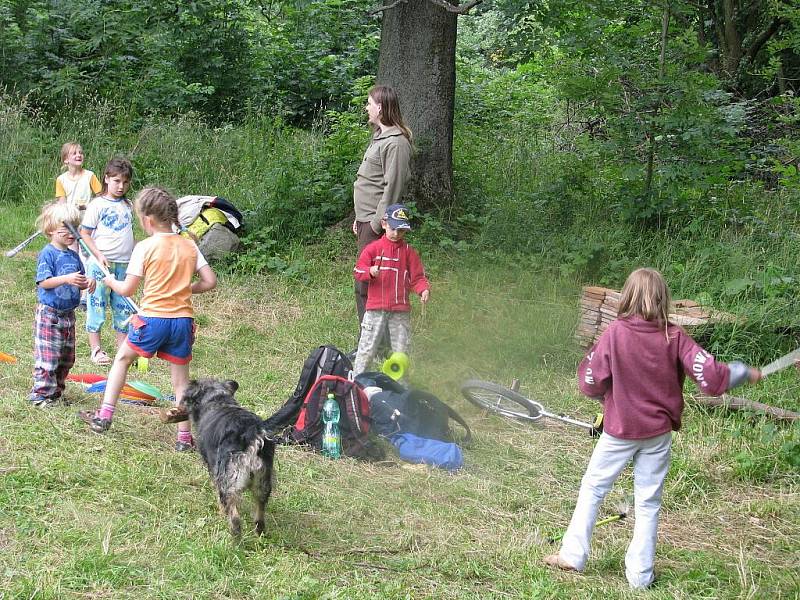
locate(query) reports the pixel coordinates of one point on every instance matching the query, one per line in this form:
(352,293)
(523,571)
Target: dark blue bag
(400,410)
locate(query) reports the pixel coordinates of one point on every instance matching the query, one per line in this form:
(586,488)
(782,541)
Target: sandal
(176,414)
(99,357)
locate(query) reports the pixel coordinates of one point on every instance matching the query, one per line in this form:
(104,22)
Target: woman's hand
(374,270)
(355,227)
(424,296)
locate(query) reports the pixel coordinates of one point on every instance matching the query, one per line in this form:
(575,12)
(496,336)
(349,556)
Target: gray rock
(217,242)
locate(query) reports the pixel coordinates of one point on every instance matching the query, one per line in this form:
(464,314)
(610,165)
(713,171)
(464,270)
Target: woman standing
(383,173)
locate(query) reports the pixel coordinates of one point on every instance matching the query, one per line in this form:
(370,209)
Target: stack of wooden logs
(599,307)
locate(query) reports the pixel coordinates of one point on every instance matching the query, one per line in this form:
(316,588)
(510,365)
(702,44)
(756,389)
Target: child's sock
(106,411)
(185,437)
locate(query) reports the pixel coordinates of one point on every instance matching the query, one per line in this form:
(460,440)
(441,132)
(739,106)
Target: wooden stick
(736,403)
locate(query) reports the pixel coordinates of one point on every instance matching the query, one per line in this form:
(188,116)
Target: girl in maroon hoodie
(636,370)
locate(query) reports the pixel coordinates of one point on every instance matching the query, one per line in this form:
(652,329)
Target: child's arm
(207,280)
(46,279)
(86,236)
(91,219)
(364,268)
(741,374)
(77,279)
(133,275)
(712,377)
(123,288)
(416,271)
(594,372)
(61,195)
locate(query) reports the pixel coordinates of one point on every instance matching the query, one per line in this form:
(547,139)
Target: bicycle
(513,405)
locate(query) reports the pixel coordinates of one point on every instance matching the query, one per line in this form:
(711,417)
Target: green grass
(123,516)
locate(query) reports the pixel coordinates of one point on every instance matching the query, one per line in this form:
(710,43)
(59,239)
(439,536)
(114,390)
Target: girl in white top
(107,228)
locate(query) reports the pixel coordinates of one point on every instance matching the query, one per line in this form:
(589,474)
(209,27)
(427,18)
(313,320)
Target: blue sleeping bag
(419,450)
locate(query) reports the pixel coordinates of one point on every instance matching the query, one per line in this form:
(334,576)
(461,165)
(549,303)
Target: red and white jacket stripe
(400,271)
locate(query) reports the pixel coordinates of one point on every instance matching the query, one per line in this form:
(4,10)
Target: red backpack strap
(355,401)
(315,397)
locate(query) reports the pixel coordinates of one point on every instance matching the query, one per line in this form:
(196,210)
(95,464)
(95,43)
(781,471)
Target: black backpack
(299,420)
(325,360)
(400,410)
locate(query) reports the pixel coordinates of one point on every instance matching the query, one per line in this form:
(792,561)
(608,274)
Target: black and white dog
(235,447)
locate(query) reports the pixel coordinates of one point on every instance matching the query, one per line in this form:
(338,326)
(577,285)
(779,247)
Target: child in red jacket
(636,370)
(392,268)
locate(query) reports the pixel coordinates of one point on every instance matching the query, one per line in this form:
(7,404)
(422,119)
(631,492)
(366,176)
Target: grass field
(122,515)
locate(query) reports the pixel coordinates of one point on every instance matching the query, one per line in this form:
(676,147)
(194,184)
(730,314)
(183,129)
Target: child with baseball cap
(391,269)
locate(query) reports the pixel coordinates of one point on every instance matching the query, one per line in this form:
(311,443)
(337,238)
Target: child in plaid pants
(59,281)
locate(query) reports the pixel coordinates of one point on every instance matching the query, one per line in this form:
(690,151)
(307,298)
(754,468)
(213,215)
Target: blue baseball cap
(397,216)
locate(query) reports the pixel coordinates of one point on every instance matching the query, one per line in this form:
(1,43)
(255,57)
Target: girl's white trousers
(651,458)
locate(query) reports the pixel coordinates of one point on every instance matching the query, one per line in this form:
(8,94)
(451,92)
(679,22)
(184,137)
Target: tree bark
(417,58)
(732,40)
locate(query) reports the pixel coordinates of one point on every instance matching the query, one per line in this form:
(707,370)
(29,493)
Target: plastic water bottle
(331,437)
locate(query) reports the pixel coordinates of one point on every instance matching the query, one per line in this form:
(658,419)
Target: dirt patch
(6,540)
(262,311)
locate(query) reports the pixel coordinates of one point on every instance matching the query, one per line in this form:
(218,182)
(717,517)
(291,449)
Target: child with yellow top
(76,185)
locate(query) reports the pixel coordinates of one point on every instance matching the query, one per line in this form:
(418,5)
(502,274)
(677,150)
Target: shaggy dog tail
(235,476)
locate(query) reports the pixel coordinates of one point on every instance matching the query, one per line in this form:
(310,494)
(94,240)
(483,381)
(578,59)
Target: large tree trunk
(732,40)
(417,58)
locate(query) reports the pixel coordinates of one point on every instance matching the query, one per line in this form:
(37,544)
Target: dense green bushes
(218,57)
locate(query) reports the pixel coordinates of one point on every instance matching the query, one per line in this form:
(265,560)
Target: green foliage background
(579,154)
(223,58)
(587,136)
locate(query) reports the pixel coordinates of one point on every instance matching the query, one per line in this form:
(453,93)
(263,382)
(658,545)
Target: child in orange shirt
(164,326)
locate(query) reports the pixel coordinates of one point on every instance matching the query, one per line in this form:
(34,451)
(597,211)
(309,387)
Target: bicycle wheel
(501,400)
